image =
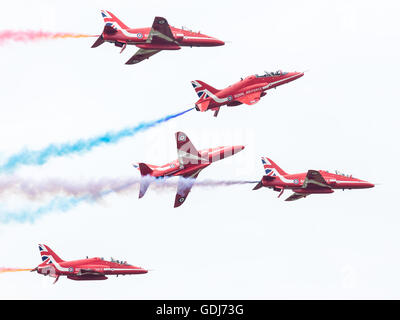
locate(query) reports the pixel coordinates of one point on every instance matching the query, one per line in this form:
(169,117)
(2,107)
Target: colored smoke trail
(30,215)
(26,36)
(93,189)
(2,270)
(90,192)
(40,157)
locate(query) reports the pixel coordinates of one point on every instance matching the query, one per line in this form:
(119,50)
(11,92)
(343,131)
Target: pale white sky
(223,243)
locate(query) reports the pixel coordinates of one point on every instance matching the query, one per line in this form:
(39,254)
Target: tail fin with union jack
(271,168)
(204,91)
(48,255)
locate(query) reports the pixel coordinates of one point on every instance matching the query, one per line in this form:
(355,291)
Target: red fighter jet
(188,166)
(85,269)
(304,184)
(150,40)
(247,91)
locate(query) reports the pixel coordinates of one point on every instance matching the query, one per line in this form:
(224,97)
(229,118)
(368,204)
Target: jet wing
(160,32)
(187,153)
(184,186)
(314,179)
(141,55)
(296,196)
(251,98)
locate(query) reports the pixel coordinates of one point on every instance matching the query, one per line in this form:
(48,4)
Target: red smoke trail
(2,270)
(25,36)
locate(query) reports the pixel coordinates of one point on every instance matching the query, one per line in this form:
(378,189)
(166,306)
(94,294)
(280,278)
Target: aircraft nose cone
(237,149)
(369,185)
(298,74)
(215,42)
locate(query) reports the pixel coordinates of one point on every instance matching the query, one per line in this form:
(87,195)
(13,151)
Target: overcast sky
(223,243)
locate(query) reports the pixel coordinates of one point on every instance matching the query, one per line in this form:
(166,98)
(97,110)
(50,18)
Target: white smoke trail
(35,190)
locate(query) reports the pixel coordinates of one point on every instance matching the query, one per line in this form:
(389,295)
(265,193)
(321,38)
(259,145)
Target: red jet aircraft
(150,40)
(247,91)
(188,166)
(85,269)
(304,184)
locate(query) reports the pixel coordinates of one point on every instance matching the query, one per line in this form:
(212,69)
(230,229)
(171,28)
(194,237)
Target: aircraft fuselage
(208,156)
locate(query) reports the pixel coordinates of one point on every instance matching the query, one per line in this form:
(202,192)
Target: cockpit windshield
(119,261)
(343,174)
(271,74)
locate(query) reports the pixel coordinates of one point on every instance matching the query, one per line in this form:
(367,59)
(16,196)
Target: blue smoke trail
(57,204)
(40,157)
(26,215)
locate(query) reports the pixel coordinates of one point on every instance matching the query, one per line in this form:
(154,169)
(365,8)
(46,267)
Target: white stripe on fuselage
(214,97)
(197,38)
(124,31)
(280,176)
(119,269)
(57,266)
(341,181)
(276,82)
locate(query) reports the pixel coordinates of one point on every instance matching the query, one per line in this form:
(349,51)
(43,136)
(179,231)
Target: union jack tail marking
(112,21)
(271,168)
(203,89)
(48,255)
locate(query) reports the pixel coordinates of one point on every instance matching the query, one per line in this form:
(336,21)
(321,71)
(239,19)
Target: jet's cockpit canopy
(189,30)
(119,262)
(271,74)
(343,174)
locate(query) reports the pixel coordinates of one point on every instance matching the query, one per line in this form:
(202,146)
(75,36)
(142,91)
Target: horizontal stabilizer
(145,171)
(203,106)
(258,186)
(98,42)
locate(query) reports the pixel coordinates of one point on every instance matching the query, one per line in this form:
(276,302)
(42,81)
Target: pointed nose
(369,185)
(229,151)
(215,42)
(138,270)
(298,74)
